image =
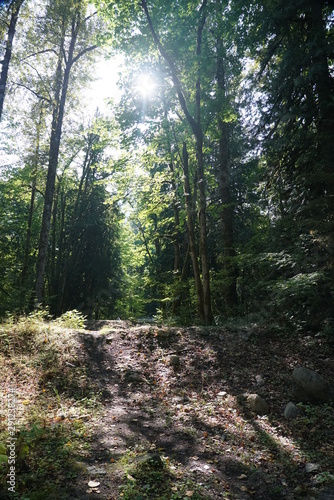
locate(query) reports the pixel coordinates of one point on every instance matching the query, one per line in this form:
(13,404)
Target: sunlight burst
(145,85)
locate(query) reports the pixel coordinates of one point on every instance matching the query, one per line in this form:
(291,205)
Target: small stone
(246,334)
(291,411)
(93,484)
(257,404)
(259,380)
(221,394)
(96,471)
(163,334)
(132,376)
(155,460)
(177,399)
(174,361)
(299,490)
(309,468)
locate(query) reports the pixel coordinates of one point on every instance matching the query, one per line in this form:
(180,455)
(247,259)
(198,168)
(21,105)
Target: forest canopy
(204,190)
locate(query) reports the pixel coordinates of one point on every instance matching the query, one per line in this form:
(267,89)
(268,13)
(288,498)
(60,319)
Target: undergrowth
(52,392)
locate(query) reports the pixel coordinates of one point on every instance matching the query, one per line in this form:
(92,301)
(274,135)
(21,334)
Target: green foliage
(42,455)
(316,414)
(145,479)
(324,478)
(71,319)
(3,454)
(38,315)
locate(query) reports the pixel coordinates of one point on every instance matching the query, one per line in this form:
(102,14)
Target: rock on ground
(291,411)
(174,361)
(310,387)
(257,404)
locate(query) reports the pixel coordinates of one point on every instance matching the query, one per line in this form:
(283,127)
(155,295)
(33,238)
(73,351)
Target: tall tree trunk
(324,87)
(15,8)
(57,122)
(230,292)
(51,176)
(54,277)
(191,232)
(176,232)
(203,247)
(201,177)
(195,125)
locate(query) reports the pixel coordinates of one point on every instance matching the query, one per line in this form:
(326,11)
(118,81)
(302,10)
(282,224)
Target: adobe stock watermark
(11,441)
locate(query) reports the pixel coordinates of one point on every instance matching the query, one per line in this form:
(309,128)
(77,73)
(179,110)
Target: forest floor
(135,411)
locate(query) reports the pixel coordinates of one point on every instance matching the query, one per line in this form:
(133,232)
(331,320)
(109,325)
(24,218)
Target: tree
(14,8)
(72,18)
(292,48)
(195,124)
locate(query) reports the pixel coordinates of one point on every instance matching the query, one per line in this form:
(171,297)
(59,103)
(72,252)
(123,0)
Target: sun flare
(145,85)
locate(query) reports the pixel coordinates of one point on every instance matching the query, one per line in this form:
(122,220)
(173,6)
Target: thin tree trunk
(32,200)
(324,89)
(69,264)
(176,232)
(53,286)
(15,8)
(191,232)
(201,178)
(30,216)
(230,292)
(179,296)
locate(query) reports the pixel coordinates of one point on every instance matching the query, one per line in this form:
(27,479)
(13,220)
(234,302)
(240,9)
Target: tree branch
(92,15)
(270,53)
(41,79)
(33,92)
(87,49)
(34,187)
(37,53)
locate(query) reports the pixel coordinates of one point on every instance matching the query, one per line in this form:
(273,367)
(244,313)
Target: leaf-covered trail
(181,393)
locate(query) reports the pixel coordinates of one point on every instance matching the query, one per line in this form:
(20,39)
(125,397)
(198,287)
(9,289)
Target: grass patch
(46,459)
(40,363)
(149,476)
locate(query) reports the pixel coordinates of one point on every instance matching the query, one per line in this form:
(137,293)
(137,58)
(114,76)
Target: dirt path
(180,394)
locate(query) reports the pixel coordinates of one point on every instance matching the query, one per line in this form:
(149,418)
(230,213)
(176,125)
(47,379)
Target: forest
(203,190)
(166,249)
